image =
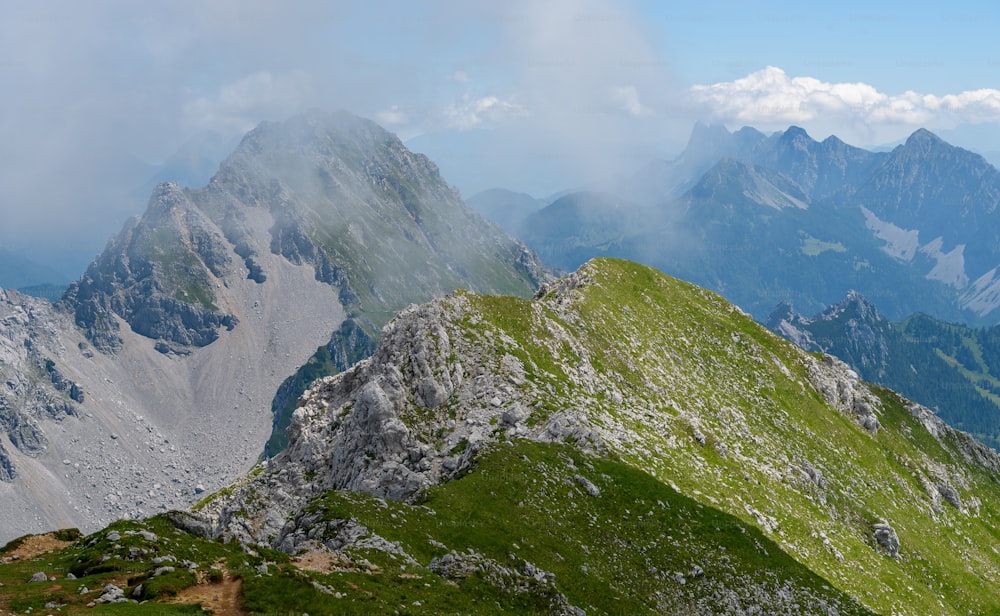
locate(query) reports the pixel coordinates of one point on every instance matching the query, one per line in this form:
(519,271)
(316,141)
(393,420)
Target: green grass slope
(690,389)
(532,528)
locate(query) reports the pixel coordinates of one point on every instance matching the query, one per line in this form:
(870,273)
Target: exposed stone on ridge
(886,537)
(842,389)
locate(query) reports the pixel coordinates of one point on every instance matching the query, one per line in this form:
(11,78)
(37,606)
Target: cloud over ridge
(770,97)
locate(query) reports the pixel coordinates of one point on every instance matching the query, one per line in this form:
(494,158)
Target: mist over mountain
(17,271)
(764,219)
(507,208)
(156,376)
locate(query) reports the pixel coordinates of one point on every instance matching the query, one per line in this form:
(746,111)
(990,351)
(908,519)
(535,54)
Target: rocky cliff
(871,492)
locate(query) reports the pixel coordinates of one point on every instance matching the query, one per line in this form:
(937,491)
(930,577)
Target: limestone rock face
(886,537)
(842,389)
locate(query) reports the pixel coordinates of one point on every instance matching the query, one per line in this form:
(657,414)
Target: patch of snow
(900,243)
(950,266)
(983,296)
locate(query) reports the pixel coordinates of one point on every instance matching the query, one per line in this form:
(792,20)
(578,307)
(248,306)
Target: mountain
(764,219)
(155,376)
(662,180)
(705,401)
(575,226)
(824,170)
(754,235)
(624,441)
(948,367)
(504,207)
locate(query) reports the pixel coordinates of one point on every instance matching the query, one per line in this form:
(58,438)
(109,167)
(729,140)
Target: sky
(545,94)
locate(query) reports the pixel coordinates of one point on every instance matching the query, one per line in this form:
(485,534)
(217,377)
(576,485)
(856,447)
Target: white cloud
(473,112)
(627,98)
(459,77)
(771,98)
(242,104)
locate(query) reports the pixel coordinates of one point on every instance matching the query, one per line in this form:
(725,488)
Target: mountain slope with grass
(612,378)
(623,442)
(949,367)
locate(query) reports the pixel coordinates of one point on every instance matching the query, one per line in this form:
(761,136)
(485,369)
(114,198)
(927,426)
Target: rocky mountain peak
(853,306)
(797,136)
(923,140)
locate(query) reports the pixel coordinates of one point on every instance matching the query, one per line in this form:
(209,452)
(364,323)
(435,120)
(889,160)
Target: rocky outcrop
(885,536)
(159,275)
(523,580)
(34,389)
(842,389)
(7,470)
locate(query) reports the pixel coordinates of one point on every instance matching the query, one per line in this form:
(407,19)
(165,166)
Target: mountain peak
(796,132)
(702,131)
(923,140)
(855,306)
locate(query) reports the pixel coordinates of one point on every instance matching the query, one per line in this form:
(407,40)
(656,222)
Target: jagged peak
(702,131)
(833,140)
(795,133)
(165,198)
(922,134)
(748,132)
(784,311)
(855,304)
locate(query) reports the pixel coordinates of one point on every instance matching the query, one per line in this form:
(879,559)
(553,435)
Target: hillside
(566,455)
(869,491)
(948,367)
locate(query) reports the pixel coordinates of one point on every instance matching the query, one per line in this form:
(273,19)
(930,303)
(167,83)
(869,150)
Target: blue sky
(91,89)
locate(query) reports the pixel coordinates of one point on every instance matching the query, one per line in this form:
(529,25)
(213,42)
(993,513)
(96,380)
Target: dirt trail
(221,598)
(33,546)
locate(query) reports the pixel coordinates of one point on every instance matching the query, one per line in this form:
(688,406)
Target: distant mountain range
(19,272)
(764,219)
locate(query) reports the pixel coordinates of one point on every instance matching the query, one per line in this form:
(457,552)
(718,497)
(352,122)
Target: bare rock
(886,537)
